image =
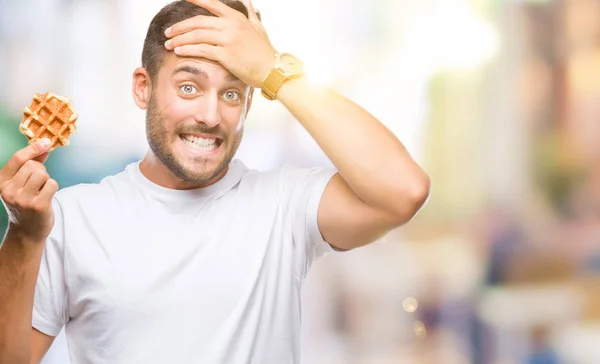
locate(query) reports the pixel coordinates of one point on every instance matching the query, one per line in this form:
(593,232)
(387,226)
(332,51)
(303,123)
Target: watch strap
(272,84)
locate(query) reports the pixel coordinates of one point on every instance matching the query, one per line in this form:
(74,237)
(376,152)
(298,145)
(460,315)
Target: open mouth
(201,144)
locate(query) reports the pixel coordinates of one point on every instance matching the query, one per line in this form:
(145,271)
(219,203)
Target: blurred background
(497,99)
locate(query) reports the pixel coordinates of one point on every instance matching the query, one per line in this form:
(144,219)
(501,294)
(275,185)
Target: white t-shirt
(143,274)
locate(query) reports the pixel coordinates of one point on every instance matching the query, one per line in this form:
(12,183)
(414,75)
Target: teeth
(200,143)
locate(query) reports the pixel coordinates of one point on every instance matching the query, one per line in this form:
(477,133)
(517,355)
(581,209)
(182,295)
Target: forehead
(174,65)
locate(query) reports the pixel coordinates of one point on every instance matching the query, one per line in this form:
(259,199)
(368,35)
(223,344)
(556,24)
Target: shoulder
(286,178)
(85,193)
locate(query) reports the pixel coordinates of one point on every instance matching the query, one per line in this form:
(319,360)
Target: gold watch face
(290,65)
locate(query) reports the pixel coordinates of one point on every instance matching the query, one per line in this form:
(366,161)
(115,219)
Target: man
(188,256)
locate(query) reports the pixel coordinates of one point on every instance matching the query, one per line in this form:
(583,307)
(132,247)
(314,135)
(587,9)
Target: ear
(141,88)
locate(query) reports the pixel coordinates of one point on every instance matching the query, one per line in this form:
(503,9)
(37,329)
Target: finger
(206,51)
(218,8)
(42,158)
(198,36)
(196,22)
(35,182)
(19,158)
(253,15)
(47,191)
(24,173)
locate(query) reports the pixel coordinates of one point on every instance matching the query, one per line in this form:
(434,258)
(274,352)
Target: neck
(156,172)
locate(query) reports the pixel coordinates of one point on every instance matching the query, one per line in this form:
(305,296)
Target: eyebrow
(199,72)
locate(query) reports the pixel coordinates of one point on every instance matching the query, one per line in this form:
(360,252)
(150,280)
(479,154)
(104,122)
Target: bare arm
(26,191)
(379,185)
(19,266)
(40,343)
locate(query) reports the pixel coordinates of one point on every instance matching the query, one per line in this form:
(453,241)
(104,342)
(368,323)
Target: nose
(207,111)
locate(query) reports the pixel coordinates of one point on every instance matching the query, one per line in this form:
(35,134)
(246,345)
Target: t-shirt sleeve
(49,307)
(306,189)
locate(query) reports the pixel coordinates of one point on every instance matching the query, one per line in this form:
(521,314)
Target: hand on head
(238,43)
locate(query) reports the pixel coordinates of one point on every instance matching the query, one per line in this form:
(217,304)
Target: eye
(188,89)
(231,96)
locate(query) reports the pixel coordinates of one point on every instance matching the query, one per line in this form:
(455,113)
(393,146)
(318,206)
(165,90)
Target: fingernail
(168,44)
(44,143)
(168,31)
(177,50)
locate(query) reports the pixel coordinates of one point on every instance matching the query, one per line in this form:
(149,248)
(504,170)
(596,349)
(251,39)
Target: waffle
(49,116)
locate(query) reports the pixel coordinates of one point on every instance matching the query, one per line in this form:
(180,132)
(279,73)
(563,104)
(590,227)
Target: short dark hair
(154,49)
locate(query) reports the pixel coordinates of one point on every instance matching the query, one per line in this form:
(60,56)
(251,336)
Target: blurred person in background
(542,351)
(188,255)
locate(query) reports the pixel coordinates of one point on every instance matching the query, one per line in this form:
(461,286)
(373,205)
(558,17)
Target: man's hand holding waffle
(26,189)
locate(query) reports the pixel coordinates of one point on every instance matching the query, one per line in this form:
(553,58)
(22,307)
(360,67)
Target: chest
(178,267)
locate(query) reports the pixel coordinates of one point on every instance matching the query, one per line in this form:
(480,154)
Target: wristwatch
(286,67)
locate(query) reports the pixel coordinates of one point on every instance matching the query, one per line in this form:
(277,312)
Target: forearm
(19,267)
(372,161)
